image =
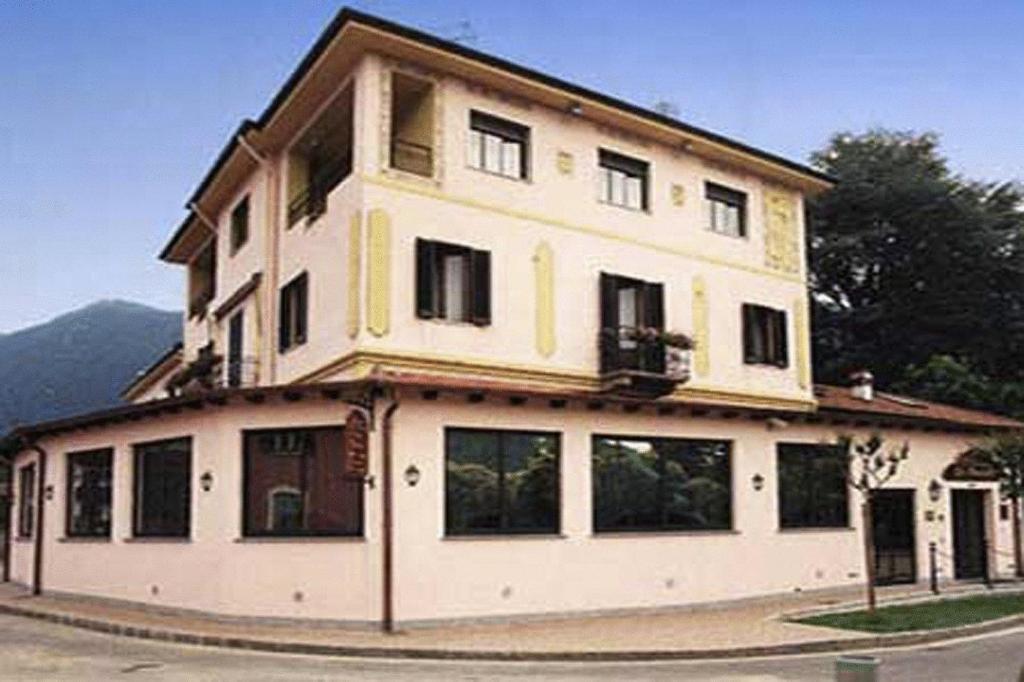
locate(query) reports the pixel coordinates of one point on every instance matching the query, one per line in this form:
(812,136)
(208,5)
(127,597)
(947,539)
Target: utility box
(857,669)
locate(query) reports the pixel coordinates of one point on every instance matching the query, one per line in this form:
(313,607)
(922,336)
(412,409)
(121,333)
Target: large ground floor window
(295,484)
(88,497)
(812,486)
(26,500)
(163,488)
(655,484)
(501,482)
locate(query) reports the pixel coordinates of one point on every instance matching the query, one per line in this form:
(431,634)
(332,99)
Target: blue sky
(110,112)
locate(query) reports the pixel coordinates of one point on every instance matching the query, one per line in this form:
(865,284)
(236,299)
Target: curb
(333,650)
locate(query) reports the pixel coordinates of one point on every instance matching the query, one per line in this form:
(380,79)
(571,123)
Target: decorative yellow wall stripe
(378,279)
(544,270)
(433,193)
(803,343)
(355,249)
(701,328)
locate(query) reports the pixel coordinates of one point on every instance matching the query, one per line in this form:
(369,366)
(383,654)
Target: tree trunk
(1017,563)
(869,549)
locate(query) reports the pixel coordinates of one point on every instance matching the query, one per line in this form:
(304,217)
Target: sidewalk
(748,629)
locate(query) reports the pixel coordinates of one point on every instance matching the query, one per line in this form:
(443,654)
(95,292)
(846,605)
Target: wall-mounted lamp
(934,490)
(575,108)
(206,481)
(412,475)
(48,491)
(758,481)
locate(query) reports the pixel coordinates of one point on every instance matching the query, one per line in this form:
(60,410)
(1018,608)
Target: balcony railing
(412,158)
(242,373)
(638,363)
(312,202)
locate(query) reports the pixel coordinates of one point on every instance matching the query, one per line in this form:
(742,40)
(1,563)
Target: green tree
(911,261)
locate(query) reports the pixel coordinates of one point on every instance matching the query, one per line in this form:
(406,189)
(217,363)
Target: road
(33,650)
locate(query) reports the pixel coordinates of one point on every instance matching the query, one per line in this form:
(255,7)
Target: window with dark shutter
(453,283)
(764,336)
(292,325)
(240,225)
(623,180)
(628,304)
(727,210)
(498,146)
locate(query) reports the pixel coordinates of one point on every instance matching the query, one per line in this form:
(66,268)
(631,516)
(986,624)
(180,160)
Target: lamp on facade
(412,475)
(934,490)
(206,481)
(758,481)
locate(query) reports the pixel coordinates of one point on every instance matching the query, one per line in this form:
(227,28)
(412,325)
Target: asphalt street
(34,650)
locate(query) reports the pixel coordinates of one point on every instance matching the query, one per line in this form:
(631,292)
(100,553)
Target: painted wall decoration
(781,234)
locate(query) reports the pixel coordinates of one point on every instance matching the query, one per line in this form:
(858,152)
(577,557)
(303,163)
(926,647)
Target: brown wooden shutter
(302,307)
(284,339)
(654,316)
(609,333)
(426,303)
(749,330)
(480,287)
(781,350)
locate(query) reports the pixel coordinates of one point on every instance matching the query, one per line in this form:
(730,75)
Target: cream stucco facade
(534,365)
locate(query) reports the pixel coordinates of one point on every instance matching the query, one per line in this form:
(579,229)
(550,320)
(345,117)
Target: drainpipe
(388,524)
(9,520)
(37,563)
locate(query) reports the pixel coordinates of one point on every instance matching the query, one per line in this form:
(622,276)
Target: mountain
(79,361)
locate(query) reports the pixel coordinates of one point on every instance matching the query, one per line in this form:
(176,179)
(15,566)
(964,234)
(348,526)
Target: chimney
(862,385)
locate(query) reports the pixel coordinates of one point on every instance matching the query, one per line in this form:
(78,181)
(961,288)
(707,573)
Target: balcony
(643,362)
(241,373)
(311,203)
(412,158)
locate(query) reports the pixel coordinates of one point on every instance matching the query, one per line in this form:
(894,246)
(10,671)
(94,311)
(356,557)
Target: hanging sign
(357,440)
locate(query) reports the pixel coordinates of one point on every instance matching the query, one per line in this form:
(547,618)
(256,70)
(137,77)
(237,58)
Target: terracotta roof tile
(839,399)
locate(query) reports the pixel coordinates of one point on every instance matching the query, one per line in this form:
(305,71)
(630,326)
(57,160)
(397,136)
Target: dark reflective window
(295,484)
(88,499)
(812,486)
(650,484)
(501,482)
(26,500)
(163,488)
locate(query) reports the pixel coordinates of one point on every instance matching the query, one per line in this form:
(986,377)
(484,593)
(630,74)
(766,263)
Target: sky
(112,111)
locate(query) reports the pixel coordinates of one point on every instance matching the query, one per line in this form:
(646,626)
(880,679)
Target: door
(895,546)
(969,557)
(235,341)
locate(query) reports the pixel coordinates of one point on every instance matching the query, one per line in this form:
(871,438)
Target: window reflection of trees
(661,484)
(501,482)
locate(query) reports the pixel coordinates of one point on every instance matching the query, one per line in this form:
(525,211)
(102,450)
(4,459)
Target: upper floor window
(627,306)
(202,279)
(88,497)
(26,500)
(240,225)
(163,488)
(727,210)
(293,313)
(295,484)
(412,124)
(624,180)
(812,486)
(652,484)
(501,482)
(764,336)
(452,283)
(498,146)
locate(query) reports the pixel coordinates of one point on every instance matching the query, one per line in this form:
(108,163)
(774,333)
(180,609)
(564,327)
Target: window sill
(84,539)
(631,209)
(285,539)
(157,540)
(23,540)
(504,537)
(493,174)
(765,365)
(742,237)
(815,530)
(661,533)
(454,323)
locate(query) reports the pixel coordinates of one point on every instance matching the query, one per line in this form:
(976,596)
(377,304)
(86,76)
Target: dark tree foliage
(911,261)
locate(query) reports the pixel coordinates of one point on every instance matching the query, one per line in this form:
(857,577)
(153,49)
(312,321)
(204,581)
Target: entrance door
(969,560)
(895,548)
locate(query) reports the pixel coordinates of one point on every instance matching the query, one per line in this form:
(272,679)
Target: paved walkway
(713,630)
